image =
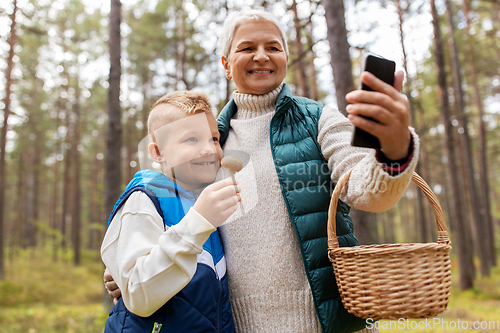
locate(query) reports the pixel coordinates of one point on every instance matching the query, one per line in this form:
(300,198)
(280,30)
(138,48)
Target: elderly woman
(280,278)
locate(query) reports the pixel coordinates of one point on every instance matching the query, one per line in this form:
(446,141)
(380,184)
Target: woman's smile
(260,72)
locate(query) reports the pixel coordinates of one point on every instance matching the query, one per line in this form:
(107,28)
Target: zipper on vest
(220,297)
(156,328)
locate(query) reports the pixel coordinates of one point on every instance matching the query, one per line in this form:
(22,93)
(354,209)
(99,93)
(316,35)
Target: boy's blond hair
(190,102)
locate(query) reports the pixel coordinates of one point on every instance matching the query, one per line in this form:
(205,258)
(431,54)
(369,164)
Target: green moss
(53,318)
(36,278)
(40,295)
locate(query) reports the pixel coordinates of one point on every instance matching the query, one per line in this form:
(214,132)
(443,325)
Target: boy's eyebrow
(190,132)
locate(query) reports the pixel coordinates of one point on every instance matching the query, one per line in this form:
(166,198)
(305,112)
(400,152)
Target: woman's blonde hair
(235,19)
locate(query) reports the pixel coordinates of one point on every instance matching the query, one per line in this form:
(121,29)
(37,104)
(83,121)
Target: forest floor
(40,295)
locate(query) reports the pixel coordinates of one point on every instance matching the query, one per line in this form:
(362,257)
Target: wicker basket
(392,281)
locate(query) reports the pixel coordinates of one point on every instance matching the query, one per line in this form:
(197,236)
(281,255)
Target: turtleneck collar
(250,106)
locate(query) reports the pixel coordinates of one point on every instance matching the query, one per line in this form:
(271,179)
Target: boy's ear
(154,152)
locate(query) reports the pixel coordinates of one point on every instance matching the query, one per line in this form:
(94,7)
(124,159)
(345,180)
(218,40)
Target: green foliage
(54,319)
(33,277)
(43,296)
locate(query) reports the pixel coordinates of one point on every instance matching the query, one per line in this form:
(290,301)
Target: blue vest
(306,187)
(203,304)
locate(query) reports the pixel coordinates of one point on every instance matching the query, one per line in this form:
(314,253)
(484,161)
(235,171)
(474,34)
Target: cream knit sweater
(268,286)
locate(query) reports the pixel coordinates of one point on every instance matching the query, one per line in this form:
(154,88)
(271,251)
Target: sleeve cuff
(392,167)
(197,223)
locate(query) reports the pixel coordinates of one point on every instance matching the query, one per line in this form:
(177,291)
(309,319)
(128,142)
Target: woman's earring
(228,76)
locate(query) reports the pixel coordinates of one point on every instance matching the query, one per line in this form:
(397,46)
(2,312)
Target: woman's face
(257,59)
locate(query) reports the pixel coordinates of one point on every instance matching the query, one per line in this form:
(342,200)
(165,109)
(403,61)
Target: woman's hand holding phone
(390,110)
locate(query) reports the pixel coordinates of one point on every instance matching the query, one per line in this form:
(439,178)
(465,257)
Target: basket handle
(431,197)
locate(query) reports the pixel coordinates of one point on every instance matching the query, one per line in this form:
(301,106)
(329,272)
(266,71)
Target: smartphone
(383,69)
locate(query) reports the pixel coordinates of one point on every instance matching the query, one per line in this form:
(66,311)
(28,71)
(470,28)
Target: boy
(161,246)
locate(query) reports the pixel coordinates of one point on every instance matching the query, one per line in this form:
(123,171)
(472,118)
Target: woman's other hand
(389,107)
(109,283)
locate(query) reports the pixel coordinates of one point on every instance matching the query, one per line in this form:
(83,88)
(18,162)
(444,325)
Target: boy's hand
(389,107)
(218,201)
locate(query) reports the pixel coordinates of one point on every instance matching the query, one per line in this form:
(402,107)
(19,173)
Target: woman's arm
(370,186)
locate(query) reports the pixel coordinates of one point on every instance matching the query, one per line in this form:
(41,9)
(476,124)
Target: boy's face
(189,148)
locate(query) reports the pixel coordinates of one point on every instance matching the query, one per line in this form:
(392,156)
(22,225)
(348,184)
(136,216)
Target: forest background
(79,78)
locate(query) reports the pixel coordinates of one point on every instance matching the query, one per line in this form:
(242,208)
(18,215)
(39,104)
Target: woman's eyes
(214,139)
(271,48)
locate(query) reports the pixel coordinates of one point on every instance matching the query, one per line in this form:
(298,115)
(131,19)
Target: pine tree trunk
(483,163)
(181,50)
(128,148)
(36,194)
(344,83)
(29,203)
(227,81)
(21,186)
(464,189)
(35,168)
(293,75)
(448,199)
(423,160)
(464,248)
(481,229)
(304,89)
(421,223)
(55,193)
(113,179)
(3,137)
(93,205)
(339,51)
(145,108)
(66,193)
(77,199)
(67,152)
(312,68)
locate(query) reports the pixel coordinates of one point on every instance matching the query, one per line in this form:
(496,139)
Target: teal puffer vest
(306,187)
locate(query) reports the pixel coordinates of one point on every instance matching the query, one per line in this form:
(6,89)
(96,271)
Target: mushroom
(233,164)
